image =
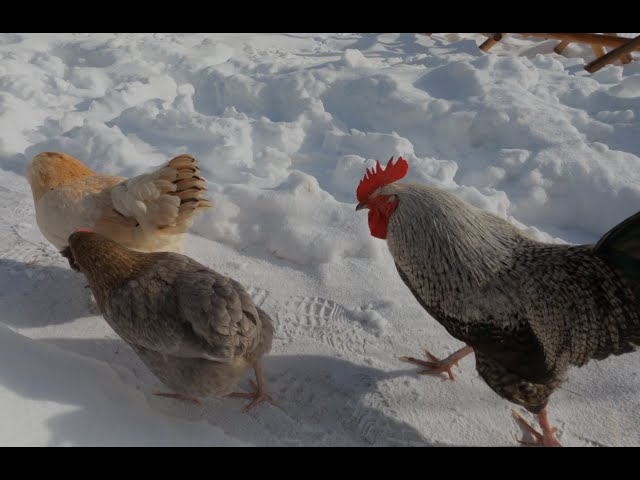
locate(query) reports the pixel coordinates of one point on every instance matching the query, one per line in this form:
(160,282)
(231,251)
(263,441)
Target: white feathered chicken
(146,213)
(528,310)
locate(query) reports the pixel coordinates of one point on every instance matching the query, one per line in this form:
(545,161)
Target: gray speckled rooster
(196,330)
(528,310)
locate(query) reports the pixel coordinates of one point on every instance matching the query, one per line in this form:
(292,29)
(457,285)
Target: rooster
(146,213)
(528,310)
(195,329)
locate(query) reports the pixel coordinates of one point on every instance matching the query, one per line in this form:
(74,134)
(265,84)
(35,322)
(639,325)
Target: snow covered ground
(283,126)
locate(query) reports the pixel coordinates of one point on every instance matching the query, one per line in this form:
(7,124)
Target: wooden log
(561,46)
(626,58)
(591,38)
(613,55)
(491,41)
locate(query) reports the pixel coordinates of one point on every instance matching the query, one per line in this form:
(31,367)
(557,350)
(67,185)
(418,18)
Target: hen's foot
(545,439)
(435,366)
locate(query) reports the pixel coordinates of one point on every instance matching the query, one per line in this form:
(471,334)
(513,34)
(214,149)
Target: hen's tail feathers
(164,201)
(620,247)
(184,173)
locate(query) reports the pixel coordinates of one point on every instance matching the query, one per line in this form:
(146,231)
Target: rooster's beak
(361,205)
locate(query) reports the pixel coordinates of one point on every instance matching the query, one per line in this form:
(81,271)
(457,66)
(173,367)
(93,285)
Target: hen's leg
(195,400)
(545,439)
(436,366)
(259,394)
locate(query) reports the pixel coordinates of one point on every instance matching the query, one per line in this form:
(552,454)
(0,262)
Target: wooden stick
(592,38)
(613,55)
(626,58)
(561,46)
(491,41)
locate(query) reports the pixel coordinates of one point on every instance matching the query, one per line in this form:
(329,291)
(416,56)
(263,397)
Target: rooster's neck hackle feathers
(441,226)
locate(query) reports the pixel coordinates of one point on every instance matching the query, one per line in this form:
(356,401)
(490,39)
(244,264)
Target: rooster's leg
(259,394)
(195,400)
(436,366)
(545,439)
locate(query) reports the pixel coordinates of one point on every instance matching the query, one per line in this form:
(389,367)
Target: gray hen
(528,310)
(196,330)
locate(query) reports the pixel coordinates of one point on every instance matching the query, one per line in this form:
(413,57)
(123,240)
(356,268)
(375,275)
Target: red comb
(377,177)
(82,229)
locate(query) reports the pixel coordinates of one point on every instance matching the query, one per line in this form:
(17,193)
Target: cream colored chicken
(146,213)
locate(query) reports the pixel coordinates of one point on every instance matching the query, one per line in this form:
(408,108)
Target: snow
(283,126)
